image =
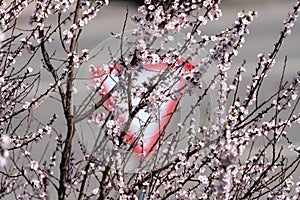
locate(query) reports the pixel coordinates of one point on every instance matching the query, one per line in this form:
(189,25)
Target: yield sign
(143,139)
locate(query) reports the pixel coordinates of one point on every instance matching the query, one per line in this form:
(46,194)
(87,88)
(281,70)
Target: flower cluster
(290,21)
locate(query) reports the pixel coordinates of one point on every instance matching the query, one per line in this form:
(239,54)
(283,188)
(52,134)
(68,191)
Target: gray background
(264,32)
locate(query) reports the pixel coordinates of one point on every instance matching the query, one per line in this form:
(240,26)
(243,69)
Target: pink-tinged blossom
(34,165)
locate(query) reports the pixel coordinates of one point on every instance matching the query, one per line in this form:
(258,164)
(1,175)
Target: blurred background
(264,32)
